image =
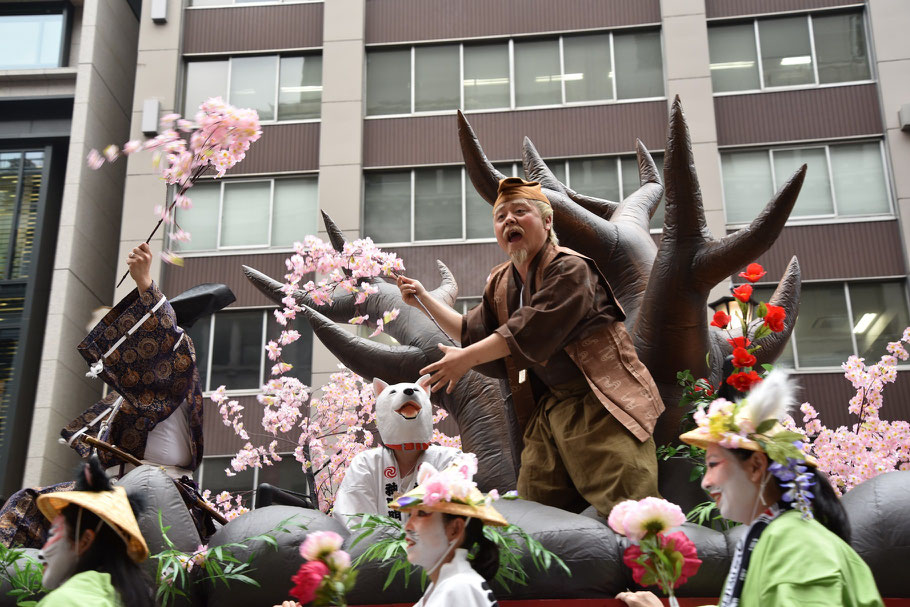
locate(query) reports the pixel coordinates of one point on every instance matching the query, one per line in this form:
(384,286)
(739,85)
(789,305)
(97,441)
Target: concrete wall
(687,69)
(889,20)
(341,137)
(85,264)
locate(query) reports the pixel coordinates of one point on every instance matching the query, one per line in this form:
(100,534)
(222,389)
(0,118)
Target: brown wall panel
(469,263)
(252,28)
(830,251)
(560,132)
(413,20)
(226,269)
(734,8)
(830,394)
(282,148)
(819,113)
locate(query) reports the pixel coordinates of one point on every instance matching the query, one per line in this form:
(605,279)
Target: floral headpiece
(755,423)
(452,491)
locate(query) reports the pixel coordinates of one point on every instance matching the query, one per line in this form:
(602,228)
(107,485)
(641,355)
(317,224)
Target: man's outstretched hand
(140,263)
(446,371)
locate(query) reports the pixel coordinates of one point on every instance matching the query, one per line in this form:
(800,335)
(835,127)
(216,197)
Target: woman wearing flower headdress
(795,551)
(447,515)
(93,552)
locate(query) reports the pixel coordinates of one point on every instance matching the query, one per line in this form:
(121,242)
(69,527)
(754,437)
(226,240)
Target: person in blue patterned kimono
(154,409)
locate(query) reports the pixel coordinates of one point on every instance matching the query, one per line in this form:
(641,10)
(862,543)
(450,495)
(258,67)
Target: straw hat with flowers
(452,491)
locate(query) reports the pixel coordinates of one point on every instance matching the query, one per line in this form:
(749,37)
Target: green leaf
(765,426)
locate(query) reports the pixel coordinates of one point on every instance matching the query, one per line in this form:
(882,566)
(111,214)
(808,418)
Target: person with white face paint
(92,553)
(404,419)
(447,515)
(795,550)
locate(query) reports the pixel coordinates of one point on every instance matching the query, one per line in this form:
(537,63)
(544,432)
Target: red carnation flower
(774,319)
(685,550)
(753,272)
(307,581)
(742,358)
(743,293)
(740,342)
(720,320)
(743,381)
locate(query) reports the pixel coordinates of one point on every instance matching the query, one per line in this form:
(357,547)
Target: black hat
(199,301)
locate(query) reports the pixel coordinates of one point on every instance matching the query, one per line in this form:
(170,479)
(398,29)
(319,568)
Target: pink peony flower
(652,515)
(320,543)
(618,515)
(307,580)
(338,560)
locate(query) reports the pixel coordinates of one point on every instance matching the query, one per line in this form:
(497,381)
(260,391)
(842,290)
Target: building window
(796,51)
(842,180)
(278,88)
(245,2)
(252,214)
(837,320)
(515,73)
(33,39)
(20,193)
(230,349)
(286,474)
(440,204)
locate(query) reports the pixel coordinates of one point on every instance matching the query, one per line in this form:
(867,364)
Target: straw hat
(752,423)
(453,491)
(113,507)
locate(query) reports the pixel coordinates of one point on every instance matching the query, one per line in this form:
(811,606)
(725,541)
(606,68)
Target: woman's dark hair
(107,553)
(485,554)
(826,506)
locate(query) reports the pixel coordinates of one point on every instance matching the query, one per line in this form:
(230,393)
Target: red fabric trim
(410,447)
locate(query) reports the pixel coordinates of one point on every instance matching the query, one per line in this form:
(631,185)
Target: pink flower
(652,515)
(132,146)
(320,543)
(94,160)
(111,152)
(307,580)
(618,515)
(273,351)
(358,320)
(338,560)
(171,258)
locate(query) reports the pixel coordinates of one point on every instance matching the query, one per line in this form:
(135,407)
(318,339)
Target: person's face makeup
(729,485)
(425,534)
(58,554)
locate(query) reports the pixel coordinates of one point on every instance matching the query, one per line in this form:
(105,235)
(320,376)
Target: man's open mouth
(514,235)
(409,410)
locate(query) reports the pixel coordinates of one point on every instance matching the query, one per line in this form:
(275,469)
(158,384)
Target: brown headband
(516,188)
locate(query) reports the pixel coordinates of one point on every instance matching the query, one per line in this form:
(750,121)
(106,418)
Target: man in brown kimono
(550,324)
(154,410)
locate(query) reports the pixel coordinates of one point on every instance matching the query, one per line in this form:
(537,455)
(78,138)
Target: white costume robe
(373,479)
(458,585)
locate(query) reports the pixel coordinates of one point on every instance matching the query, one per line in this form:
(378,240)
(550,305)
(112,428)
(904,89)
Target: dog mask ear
(378,386)
(424,382)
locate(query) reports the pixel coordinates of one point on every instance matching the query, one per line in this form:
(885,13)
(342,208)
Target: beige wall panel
(340,188)
(156,79)
(685,47)
(166,36)
(890,22)
(698,105)
(894,86)
(342,71)
(343,20)
(342,132)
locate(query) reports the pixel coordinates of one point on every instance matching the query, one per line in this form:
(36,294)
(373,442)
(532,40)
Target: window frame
(792,341)
(37,7)
(835,217)
(232,4)
(207,58)
(234,249)
(795,87)
(512,107)
(465,183)
(207,389)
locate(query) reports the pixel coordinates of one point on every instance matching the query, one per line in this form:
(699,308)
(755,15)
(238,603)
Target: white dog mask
(404,415)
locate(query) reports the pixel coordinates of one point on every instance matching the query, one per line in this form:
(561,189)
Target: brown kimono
(586,403)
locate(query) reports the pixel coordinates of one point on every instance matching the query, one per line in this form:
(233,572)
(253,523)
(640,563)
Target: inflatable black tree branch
(487,428)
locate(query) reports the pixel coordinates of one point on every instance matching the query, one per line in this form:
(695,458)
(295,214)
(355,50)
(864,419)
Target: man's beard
(519,257)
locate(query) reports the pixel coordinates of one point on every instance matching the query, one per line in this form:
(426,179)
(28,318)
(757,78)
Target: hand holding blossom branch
(218,139)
